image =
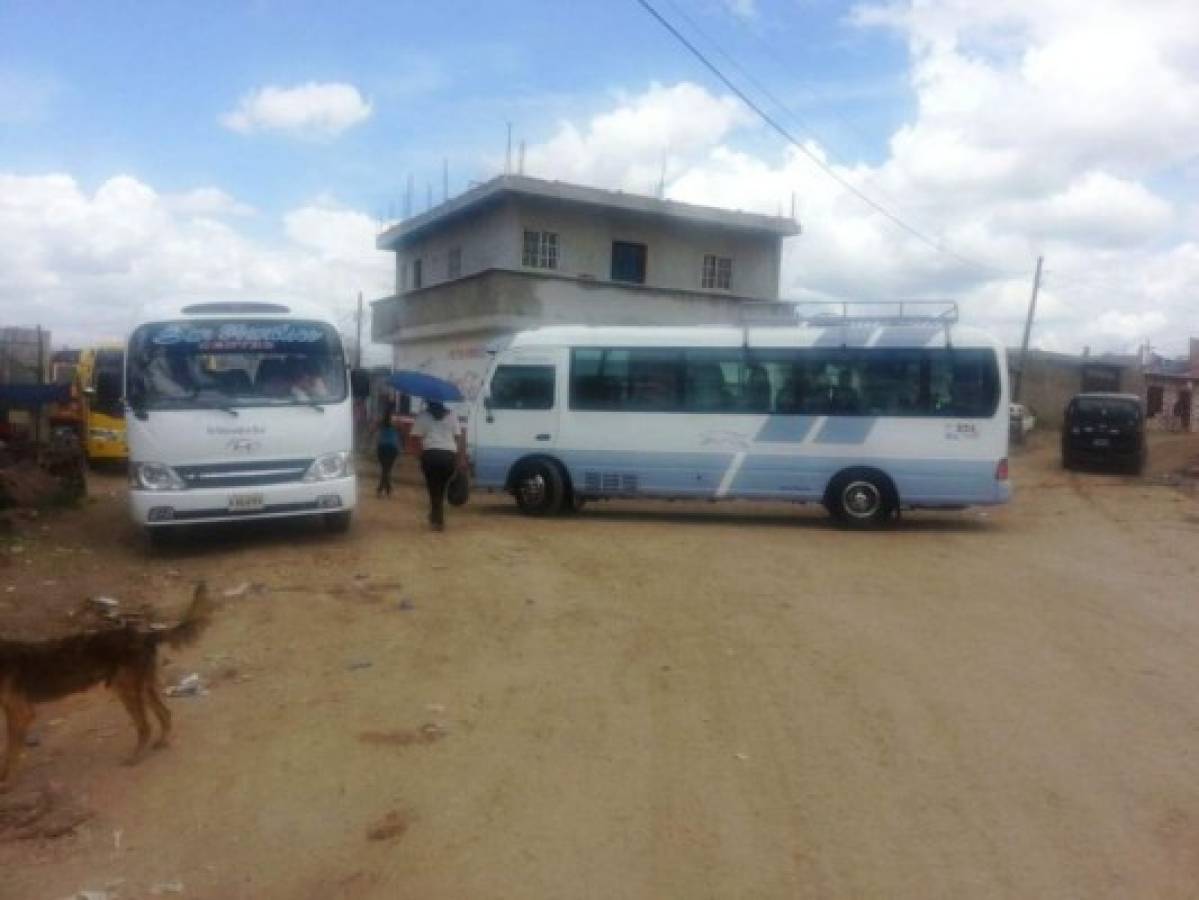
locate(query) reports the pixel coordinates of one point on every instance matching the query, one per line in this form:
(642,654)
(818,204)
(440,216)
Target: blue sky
(137,87)
(146,149)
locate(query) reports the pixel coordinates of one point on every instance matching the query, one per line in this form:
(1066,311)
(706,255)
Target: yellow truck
(100,379)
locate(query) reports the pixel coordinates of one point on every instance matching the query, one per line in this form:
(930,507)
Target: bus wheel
(861,500)
(337,523)
(539,488)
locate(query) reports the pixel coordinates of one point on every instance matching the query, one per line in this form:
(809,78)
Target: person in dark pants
(442,453)
(387,447)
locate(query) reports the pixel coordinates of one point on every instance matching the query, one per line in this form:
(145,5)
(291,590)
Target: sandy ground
(646,700)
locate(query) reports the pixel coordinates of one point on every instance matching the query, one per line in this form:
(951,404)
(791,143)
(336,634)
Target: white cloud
(626,146)
(207,201)
(1040,127)
(742,9)
(312,109)
(83,264)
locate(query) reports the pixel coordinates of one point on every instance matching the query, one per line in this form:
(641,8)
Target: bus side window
(522,387)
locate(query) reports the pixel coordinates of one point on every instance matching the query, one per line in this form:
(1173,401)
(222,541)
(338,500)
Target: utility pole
(358,339)
(41,379)
(1032,309)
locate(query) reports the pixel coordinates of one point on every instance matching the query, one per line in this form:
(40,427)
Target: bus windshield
(235,363)
(106,380)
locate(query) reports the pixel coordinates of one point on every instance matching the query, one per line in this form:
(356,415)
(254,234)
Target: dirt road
(649,701)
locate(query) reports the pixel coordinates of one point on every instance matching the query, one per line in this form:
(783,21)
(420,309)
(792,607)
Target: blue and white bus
(866,417)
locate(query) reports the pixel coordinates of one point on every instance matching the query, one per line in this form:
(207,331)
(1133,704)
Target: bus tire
(539,488)
(861,499)
(338,522)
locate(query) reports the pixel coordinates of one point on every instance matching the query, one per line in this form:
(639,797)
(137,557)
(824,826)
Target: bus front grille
(244,474)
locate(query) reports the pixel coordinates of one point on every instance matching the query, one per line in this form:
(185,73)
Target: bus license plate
(245,502)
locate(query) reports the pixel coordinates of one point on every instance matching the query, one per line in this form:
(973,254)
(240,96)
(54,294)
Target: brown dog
(125,658)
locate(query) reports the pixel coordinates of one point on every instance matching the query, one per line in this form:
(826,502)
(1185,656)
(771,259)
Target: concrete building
(1049,380)
(519,252)
(1170,391)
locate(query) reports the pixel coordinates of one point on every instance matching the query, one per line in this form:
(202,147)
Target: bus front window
(237,363)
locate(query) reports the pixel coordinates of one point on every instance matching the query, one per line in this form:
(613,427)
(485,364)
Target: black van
(1104,429)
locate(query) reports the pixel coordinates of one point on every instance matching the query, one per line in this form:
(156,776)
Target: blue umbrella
(428,387)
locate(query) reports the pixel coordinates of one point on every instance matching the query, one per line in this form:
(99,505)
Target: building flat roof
(580,195)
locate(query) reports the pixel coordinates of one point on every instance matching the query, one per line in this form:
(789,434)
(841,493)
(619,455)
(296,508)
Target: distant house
(1170,390)
(1049,380)
(519,252)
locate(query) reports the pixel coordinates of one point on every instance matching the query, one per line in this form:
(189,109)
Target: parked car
(1020,421)
(1104,429)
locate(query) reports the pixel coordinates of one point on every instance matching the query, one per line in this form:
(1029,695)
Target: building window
(453,266)
(417,280)
(541,250)
(628,262)
(403,277)
(718,273)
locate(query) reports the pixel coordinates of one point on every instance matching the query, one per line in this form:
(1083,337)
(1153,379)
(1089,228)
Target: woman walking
(442,452)
(387,446)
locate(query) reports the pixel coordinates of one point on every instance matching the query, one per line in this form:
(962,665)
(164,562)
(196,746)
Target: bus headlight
(103,434)
(156,477)
(330,466)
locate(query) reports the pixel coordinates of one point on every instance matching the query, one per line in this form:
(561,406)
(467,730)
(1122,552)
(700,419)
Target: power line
(791,139)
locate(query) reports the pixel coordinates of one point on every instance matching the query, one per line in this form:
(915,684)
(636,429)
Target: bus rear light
(1001,470)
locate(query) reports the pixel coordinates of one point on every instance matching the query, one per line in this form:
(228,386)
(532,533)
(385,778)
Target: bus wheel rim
(532,489)
(861,499)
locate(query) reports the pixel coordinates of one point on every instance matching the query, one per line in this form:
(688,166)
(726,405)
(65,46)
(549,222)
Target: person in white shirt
(442,448)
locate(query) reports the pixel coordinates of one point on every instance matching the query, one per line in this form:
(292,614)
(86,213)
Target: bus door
(521,404)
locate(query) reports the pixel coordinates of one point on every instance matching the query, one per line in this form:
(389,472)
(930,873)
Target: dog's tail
(194,621)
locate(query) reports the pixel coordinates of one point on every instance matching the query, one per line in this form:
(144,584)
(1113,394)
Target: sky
(255,150)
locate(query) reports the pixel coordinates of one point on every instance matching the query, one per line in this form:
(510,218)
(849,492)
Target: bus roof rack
(941,313)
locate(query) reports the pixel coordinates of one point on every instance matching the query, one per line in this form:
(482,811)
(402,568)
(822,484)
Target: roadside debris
(405,605)
(167,887)
(390,826)
(238,591)
(359,664)
(429,733)
(49,812)
(188,686)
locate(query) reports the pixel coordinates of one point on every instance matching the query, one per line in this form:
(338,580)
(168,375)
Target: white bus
(238,411)
(866,417)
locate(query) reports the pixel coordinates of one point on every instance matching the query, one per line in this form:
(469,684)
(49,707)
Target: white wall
(493,238)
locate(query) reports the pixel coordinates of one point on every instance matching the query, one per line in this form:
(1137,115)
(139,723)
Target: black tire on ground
(861,499)
(539,487)
(337,522)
